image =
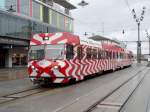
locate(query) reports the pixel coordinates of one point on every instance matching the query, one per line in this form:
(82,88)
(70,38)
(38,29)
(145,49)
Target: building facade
(19,19)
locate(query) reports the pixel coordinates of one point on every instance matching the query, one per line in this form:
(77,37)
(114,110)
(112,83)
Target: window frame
(71,52)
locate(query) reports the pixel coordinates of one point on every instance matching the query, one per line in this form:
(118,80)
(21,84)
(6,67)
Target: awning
(65,4)
(12,41)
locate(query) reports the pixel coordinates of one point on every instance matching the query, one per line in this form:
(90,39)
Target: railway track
(22,94)
(116,99)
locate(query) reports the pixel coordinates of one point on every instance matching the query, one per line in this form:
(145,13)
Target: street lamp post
(11,9)
(148,36)
(83,3)
(138,21)
(139,45)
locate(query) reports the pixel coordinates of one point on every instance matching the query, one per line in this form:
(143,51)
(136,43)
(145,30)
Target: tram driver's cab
(51,52)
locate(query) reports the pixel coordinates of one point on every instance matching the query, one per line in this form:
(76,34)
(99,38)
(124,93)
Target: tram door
(2,58)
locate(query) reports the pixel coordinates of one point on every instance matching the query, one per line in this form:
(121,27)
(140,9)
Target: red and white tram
(63,57)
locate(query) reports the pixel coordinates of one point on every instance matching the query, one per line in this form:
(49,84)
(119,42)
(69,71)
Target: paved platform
(55,100)
(13,86)
(91,98)
(13,73)
(73,98)
(14,80)
(140,100)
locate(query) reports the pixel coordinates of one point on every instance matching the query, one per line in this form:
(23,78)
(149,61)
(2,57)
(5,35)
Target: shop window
(19,59)
(69,52)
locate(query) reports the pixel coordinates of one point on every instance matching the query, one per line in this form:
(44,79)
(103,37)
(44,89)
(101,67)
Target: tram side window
(99,54)
(117,55)
(122,55)
(129,55)
(79,52)
(69,52)
(104,55)
(94,54)
(109,54)
(88,53)
(114,55)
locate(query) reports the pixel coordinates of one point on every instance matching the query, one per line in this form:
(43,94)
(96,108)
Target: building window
(50,16)
(45,14)
(54,18)
(19,56)
(19,59)
(25,7)
(36,10)
(60,21)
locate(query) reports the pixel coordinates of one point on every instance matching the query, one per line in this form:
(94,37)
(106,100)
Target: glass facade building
(19,19)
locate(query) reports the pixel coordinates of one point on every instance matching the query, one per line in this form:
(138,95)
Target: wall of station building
(29,18)
(53,16)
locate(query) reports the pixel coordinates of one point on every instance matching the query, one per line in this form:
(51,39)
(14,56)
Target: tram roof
(102,38)
(90,42)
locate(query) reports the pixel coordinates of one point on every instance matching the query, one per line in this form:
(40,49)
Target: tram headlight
(32,67)
(55,67)
(36,69)
(46,38)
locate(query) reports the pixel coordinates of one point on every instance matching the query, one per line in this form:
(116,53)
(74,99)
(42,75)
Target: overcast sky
(110,18)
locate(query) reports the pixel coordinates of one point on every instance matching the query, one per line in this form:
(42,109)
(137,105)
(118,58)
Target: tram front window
(47,51)
(54,51)
(36,52)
